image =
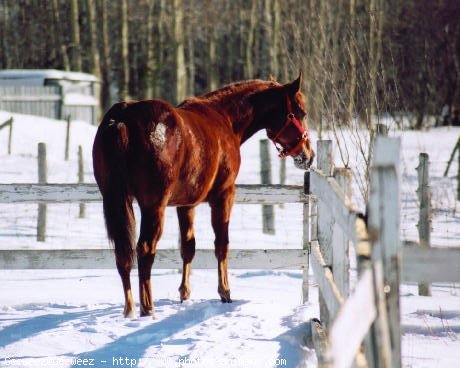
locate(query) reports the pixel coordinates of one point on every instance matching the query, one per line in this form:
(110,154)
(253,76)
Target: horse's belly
(194,189)
(188,194)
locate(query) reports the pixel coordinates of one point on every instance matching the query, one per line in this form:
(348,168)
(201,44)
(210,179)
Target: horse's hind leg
(221,207)
(186,216)
(121,227)
(150,232)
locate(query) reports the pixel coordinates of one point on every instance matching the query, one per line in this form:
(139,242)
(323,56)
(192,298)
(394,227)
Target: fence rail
(60,193)
(293,259)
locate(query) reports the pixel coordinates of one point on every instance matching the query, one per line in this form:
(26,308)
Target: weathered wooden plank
(306,236)
(430,264)
(59,193)
(325,220)
(269,194)
(324,159)
(328,191)
(325,280)
(165,258)
(341,245)
(321,344)
(424,219)
(383,223)
(357,315)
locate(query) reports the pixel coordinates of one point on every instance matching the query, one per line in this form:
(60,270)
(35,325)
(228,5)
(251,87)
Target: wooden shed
(51,93)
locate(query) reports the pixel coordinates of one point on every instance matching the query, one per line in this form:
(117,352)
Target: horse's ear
(271,79)
(295,86)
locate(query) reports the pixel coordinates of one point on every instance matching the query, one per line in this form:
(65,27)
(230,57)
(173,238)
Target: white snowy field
(55,317)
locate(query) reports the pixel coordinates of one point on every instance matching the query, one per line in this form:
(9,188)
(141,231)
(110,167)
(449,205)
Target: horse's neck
(239,111)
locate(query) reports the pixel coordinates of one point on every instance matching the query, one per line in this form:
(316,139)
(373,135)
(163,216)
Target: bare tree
(57,33)
(93,32)
(123,92)
(180,74)
(149,75)
(106,98)
(75,47)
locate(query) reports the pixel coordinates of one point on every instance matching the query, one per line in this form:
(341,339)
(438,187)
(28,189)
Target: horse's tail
(110,169)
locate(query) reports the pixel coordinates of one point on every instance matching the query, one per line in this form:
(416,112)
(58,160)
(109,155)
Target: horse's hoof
(225,296)
(129,314)
(184,293)
(147,313)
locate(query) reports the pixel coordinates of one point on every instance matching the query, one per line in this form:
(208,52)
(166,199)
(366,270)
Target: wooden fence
(9,124)
(362,326)
(103,258)
(47,101)
(359,325)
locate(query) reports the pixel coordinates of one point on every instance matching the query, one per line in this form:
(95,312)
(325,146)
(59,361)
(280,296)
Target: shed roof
(46,74)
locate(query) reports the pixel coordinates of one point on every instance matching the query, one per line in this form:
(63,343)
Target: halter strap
(303,134)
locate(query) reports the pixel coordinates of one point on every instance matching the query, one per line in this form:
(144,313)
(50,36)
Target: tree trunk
(191,70)
(180,74)
(93,31)
(60,46)
(266,52)
(106,98)
(123,92)
(149,75)
(160,46)
(352,48)
(375,52)
(5,62)
(75,49)
(212,60)
(249,69)
(274,49)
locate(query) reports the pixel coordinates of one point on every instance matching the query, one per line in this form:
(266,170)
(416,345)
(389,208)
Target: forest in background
(361,58)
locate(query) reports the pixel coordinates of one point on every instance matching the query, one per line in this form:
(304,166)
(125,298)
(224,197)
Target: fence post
(268,216)
(10,136)
(340,244)
(381,129)
(282,175)
(67,138)
(306,234)
(324,158)
(423,225)
(81,179)
(458,172)
(383,222)
(325,221)
(42,179)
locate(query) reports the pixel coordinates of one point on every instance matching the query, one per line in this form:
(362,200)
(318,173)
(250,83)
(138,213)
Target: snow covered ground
(55,317)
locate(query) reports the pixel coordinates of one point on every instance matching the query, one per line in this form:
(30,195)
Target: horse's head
(282,111)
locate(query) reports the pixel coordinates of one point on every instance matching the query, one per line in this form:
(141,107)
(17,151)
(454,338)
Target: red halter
(290,138)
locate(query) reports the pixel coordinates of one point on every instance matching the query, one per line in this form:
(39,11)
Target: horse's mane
(232,95)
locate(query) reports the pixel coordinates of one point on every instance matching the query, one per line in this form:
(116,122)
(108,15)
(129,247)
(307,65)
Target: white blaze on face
(158,135)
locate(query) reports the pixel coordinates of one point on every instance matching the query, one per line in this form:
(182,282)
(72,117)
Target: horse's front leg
(150,232)
(221,207)
(187,240)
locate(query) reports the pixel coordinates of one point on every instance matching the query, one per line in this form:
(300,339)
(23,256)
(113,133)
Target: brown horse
(166,156)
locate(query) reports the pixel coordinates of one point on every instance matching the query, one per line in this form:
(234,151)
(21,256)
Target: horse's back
(168,153)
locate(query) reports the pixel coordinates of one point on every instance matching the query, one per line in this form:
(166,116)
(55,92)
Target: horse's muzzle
(301,161)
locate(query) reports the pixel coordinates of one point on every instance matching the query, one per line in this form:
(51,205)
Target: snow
(55,317)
